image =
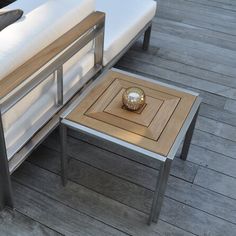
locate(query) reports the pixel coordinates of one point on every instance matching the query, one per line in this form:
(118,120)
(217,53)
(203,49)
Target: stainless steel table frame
(185,134)
(165,162)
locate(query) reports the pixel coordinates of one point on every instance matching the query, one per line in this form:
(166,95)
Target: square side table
(156,132)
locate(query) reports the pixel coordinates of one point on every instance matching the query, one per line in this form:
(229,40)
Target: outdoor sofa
(47,57)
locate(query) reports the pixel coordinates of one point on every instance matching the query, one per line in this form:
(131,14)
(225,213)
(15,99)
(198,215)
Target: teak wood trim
(18,76)
(165,130)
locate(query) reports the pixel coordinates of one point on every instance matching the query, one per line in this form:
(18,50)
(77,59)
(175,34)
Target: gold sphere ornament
(133,98)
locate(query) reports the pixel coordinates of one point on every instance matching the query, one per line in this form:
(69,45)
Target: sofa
(36,89)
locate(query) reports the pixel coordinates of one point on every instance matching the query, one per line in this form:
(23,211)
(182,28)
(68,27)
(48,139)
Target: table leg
(156,193)
(64,160)
(188,138)
(147,36)
(162,189)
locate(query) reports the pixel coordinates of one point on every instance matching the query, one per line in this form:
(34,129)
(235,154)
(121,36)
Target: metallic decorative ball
(133,98)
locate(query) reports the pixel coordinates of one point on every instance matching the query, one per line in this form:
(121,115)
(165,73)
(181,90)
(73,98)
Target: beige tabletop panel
(154,127)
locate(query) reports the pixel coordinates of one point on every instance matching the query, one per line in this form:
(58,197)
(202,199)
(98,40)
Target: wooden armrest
(18,76)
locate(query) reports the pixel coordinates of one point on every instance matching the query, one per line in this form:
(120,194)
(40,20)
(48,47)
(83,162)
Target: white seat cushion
(124,20)
(43,22)
(38,28)
(26,5)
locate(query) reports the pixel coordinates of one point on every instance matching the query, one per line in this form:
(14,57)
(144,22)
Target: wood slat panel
(165,124)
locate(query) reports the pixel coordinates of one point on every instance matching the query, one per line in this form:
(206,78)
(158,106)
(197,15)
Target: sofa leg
(6,199)
(147,36)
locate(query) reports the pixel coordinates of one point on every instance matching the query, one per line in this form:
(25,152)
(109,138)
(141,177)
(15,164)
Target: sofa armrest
(11,82)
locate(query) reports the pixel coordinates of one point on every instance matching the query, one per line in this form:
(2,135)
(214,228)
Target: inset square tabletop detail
(155,127)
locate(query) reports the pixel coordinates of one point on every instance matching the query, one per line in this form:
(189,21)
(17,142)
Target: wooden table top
(155,128)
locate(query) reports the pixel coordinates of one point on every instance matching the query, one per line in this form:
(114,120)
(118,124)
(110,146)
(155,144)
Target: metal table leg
(156,193)
(64,159)
(162,189)
(188,138)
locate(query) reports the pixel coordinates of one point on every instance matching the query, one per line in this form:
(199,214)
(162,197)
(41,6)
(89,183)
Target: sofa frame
(15,86)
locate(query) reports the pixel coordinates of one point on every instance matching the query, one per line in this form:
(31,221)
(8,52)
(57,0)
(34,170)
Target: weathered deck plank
(179,190)
(216,128)
(227,4)
(194,33)
(230,105)
(194,19)
(217,182)
(94,204)
(212,160)
(60,217)
(208,98)
(15,224)
(207,11)
(175,191)
(183,79)
(214,143)
(218,114)
(87,153)
(181,68)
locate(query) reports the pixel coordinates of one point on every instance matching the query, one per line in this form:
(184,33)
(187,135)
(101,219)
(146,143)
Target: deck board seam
(210,6)
(23,214)
(215,192)
(118,176)
(212,14)
(218,137)
(198,3)
(182,73)
(179,62)
(170,81)
(126,180)
(200,210)
(201,27)
(195,66)
(75,182)
(67,205)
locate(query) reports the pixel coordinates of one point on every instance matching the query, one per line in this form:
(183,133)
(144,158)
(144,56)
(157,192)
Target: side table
(156,131)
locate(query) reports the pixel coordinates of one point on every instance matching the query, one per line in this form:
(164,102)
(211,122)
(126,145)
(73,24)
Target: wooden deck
(193,46)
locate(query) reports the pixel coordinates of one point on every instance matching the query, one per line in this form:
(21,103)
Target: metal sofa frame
(15,86)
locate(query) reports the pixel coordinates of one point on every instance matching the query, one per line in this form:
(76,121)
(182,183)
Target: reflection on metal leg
(162,189)
(188,138)
(156,193)
(64,160)
(59,74)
